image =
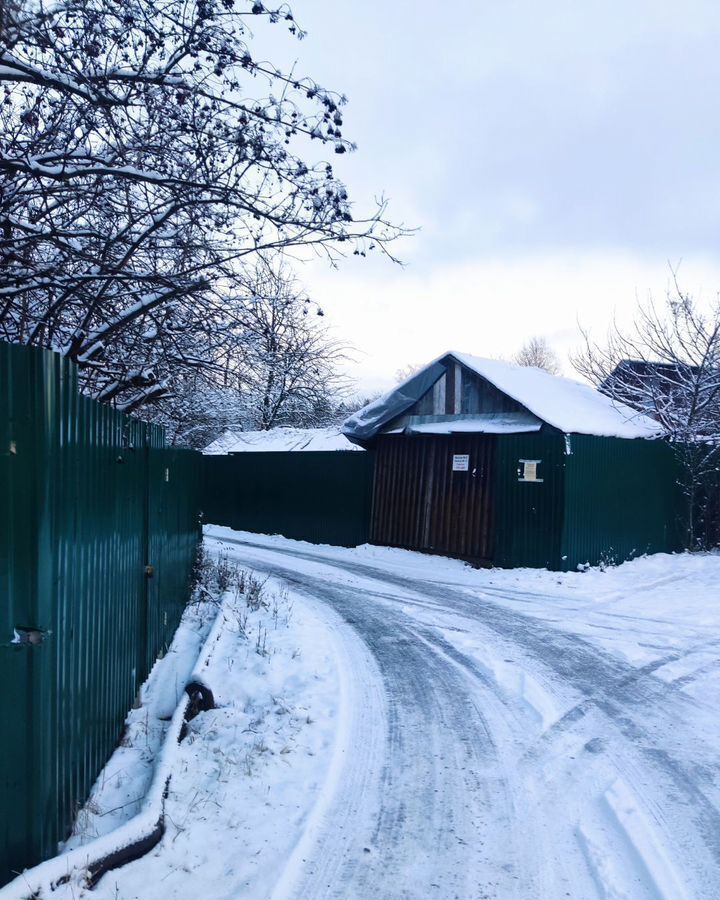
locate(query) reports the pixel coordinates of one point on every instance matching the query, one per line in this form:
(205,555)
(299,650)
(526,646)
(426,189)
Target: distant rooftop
(279,440)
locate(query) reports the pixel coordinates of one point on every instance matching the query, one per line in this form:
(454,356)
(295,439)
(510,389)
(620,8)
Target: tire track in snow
(635,702)
(445,822)
(362,723)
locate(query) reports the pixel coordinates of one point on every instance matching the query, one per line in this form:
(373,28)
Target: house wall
(493,517)
(421,502)
(601,500)
(477,395)
(594,499)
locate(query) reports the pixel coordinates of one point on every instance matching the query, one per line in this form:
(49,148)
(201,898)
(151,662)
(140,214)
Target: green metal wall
(88,498)
(607,499)
(529,515)
(173,530)
(621,500)
(323,497)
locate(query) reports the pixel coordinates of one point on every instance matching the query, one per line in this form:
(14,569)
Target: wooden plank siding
(419,503)
(459,392)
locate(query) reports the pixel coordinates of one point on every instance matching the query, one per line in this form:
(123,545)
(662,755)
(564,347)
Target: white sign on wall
(461,462)
(528,470)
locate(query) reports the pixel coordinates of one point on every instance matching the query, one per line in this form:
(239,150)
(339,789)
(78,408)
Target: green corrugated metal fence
(622,499)
(322,496)
(529,515)
(600,499)
(88,498)
(596,499)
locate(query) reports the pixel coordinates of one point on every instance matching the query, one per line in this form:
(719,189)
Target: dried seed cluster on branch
(145,155)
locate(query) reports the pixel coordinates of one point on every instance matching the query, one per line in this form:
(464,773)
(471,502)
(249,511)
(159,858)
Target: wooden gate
(434,493)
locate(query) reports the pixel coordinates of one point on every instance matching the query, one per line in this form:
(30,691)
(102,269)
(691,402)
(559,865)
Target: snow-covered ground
(417,728)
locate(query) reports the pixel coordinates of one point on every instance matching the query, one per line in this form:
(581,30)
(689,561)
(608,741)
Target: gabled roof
(674,372)
(567,405)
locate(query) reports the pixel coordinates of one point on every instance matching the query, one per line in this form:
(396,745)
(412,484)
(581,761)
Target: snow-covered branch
(667,365)
(146,158)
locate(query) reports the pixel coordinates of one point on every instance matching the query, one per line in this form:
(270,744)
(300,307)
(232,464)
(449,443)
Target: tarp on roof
(567,405)
(369,420)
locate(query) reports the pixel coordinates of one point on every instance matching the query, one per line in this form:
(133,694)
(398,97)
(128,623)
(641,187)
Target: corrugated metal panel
(420,502)
(529,515)
(621,500)
(399,509)
(79,505)
(608,499)
(322,496)
(174,499)
(707,515)
(18,580)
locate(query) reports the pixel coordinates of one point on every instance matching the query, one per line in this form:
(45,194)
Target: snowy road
(501,738)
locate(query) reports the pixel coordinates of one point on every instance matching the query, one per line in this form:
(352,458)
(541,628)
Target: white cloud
(554,156)
(489,307)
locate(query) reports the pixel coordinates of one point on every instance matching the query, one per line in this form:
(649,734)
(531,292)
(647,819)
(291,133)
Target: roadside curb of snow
(138,836)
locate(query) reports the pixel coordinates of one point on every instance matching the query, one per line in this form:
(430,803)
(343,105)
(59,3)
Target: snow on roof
(279,440)
(507,423)
(567,405)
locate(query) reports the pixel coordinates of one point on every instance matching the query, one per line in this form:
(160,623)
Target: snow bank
(85,862)
(249,778)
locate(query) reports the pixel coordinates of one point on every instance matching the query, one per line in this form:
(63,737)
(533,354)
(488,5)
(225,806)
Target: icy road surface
(509,734)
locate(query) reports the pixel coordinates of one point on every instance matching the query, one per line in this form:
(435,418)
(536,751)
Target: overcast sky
(555,155)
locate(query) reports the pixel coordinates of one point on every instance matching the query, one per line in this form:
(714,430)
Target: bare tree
(407,371)
(145,154)
(268,360)
(197,411)
(538,353)
(667,365)
(283,360)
